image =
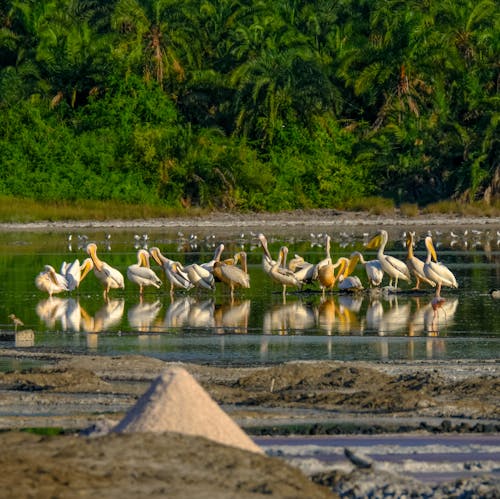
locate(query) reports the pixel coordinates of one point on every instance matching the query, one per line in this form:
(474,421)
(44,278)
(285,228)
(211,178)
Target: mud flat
(72,393)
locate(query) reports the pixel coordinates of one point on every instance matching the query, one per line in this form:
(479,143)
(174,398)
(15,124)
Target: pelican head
(157,256)
(91,250)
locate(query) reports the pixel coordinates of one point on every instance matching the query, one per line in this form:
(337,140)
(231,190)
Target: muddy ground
(70,393)
(73,393)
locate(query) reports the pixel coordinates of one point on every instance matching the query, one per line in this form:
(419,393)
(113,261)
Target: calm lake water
(258,326)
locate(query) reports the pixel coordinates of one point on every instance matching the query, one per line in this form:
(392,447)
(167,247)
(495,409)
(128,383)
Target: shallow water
(259,325)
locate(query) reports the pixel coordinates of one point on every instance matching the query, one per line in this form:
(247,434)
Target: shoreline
(281,219)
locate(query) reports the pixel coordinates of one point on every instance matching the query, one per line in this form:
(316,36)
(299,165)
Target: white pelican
(282,275)
(49,281)
(76,273)
(231,275)
(173,270)
(201,274)
(394,268)
(350,283)
(109,276)
(304,271)
(415,265)
(267,260)
(141,274)
(373,268)
(436,271)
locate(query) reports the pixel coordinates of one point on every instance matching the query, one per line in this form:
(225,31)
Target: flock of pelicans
(233,272)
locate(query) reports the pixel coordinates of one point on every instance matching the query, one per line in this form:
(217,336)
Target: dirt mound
(176,402)
(53,379)
(122,466)
(354,386)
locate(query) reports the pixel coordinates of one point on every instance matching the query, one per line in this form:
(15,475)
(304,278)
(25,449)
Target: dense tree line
(249,104)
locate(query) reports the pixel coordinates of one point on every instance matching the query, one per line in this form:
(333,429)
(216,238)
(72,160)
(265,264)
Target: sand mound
(176,402)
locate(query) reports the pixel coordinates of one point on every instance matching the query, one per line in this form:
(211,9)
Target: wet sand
(92,393)
(73,393)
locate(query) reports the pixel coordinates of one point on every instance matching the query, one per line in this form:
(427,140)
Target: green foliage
(252,105)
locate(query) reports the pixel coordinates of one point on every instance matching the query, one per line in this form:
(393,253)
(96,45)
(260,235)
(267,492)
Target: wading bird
(415,265)
(394,268)
(435,271)
(173,270)
(373,268)
(231,275)
(76,273)
(109,277)
(141,274)
(49,281)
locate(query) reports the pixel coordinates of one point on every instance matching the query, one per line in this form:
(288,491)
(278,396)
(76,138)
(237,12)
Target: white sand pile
(176,402)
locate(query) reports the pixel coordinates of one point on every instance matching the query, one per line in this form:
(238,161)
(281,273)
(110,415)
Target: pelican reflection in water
(232,317)
(142,315)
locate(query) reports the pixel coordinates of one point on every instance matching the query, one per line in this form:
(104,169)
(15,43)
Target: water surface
(259,325)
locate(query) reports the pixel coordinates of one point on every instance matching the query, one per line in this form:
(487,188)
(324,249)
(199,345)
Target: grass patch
(409,210)
(477,208)
(45,431)
(373,204)
(17,210)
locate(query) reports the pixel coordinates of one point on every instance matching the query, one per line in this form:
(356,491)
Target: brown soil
(75,392)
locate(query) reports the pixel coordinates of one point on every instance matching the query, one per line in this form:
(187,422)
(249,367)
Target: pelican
(141,274)
(201,275)
(267,261)
(415,265)
(396,269)
(282,275)
(350,283)
(49,281)
(304,271)
(231,275)
(109,276)
(325,269)
(373,269)
(436,271)
(76,273)
(173,270)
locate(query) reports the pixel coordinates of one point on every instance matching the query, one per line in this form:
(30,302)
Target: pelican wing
(115,277)
(374,272)
(437,272)
(395,267)
(200,276)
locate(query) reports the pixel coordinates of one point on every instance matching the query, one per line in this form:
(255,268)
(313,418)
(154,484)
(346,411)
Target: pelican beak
(144,259)
(87,266)
(156,256)
(433,251)
(351,265)
(374,242)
